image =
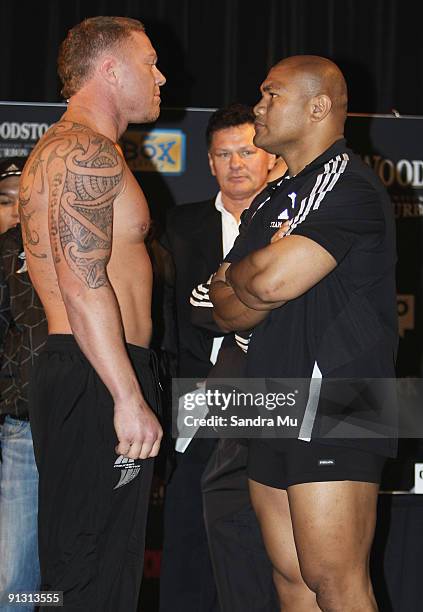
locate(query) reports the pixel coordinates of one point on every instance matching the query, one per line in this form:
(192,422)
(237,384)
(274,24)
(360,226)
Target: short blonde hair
(84,43)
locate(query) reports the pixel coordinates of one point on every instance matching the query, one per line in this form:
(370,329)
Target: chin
(238,194)
(260,141)
(267,146)
(155,114)
(149,117)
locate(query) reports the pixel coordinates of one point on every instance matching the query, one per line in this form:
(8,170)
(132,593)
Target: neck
(298,156)
(236,206)
(96,112)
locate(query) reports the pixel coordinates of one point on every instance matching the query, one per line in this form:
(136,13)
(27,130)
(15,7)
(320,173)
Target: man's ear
(271,161)
(320,107)
(108,70)
(211,164)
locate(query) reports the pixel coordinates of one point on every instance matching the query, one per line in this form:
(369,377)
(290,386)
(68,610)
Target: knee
(334,584)
(292,593)
(326,588)
(288,581)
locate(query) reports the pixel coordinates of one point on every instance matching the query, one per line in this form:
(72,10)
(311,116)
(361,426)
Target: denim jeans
(19,568)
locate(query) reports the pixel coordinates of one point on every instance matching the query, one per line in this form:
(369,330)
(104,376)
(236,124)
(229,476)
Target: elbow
(222,324)
(72,293)
(268,291)
(76,297)
(74,303)
(76,286)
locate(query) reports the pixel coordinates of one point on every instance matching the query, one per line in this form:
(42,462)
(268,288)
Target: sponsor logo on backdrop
(404,172)
(408,206)
(405,309)
(404,179)
(161,151)
(18,139)
(14,151)
(22,131)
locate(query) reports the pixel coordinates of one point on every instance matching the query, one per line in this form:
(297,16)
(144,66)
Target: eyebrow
(271,85)
(230,145)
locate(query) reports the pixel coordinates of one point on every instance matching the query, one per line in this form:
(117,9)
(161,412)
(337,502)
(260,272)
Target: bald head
(303,107)
(319,76)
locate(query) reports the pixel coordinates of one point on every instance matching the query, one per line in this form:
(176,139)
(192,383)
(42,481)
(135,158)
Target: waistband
(66,343)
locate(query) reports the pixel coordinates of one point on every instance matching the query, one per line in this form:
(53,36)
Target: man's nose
(235,160)
(259,108)
(160,77)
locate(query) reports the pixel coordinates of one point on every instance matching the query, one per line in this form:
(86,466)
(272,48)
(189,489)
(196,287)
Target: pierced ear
(108,70)
(320,107)
(211,164)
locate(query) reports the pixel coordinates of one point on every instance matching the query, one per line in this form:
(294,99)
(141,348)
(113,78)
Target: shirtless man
(320,295)
(84,222)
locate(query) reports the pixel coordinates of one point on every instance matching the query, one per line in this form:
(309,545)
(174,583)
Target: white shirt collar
(219,204)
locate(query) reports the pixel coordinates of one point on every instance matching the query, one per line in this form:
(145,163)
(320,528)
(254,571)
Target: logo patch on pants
(129,470)
(324,462)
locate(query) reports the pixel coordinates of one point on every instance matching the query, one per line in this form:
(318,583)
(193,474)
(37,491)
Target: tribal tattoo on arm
(81,208)
(85,175)
(30,236)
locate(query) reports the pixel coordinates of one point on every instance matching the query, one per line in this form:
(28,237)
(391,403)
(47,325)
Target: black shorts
(92,504)
(298,462)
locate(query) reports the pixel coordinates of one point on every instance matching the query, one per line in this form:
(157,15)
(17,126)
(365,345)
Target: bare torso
(53,195)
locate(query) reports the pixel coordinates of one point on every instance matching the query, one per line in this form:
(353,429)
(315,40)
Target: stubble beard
(150,117)
(153,114)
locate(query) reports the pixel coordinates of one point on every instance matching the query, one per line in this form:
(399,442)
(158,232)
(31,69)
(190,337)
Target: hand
(280,233)
(219,276)
(137,429)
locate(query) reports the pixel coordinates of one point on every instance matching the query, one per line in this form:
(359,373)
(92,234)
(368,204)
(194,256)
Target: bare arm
(85,177)
(282,271)
(230,313)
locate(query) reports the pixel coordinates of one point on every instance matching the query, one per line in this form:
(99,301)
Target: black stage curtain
(217,51)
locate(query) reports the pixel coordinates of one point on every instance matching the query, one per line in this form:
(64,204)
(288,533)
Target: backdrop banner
(169,158)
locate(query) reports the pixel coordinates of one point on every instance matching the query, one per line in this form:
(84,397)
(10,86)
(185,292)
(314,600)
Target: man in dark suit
(198,236)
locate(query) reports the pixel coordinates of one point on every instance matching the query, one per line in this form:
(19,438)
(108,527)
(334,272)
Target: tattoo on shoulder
(85,175)
(30,236)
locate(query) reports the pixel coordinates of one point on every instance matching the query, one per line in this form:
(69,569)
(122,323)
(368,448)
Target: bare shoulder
(78,149)
(74,176)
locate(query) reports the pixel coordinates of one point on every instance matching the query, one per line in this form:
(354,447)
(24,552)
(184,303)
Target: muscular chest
(131,216)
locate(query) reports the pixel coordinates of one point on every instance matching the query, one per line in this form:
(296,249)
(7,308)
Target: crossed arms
(245,292)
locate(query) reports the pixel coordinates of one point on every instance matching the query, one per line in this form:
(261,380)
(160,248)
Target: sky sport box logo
(155,151)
